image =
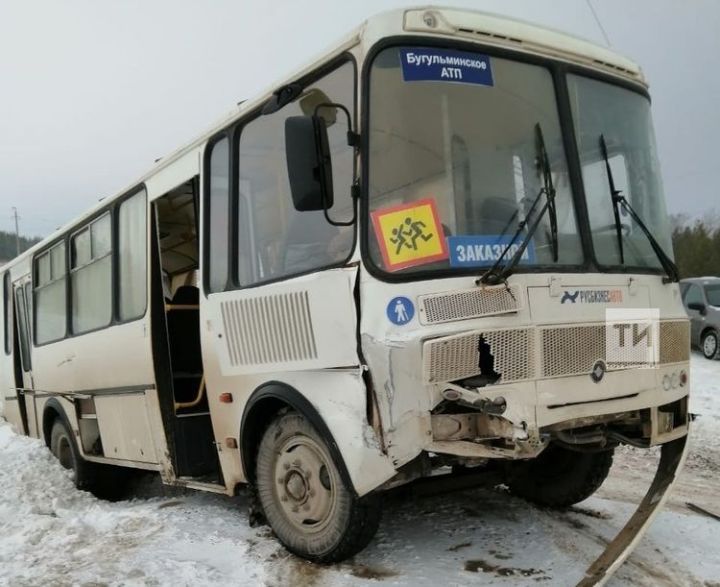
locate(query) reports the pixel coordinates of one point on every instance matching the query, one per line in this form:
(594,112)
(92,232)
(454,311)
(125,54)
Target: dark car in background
(701,296)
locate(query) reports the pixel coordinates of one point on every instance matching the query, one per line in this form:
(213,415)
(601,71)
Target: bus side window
(132,257)
(276,240)
(50,307)
(91,276)
(218,202)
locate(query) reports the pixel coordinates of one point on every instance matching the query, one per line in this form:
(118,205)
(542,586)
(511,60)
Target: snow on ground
(52,534)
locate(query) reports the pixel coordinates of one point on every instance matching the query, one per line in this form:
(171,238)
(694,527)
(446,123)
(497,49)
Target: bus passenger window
(132,257)
(50,306)
(275,239)
(91,276)
(218,204)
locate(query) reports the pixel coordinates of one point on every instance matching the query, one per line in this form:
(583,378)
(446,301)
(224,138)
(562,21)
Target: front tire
(305,500)
(710,344)
(559,477)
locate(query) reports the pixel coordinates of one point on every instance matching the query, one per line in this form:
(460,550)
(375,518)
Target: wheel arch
(262,406)
(52,411)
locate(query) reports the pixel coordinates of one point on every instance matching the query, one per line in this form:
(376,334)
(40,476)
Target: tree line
(8,248)
(697,245)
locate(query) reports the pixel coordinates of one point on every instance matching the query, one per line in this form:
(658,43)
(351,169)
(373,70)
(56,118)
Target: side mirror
(697,307)
(309,164)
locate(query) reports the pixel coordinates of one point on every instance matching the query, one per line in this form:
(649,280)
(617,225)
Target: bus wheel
(559,477)
(307,504)
(62,445)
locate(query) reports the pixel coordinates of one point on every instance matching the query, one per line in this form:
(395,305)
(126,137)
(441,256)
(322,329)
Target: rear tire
(559,477)
(710,345)
(304,498)
(103,481)
(62,445)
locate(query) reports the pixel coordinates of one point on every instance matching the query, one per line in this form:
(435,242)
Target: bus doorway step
(201,483)
(195,450)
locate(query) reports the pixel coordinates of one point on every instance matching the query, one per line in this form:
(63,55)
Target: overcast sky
(93,91)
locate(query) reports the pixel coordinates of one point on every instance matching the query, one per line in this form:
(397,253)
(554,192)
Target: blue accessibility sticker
(400,310)
(444,65)
(484,250)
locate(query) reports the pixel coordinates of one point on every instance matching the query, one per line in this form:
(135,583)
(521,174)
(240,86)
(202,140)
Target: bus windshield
(454,170)
(622,117)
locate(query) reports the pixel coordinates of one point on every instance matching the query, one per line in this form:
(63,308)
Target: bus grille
(573,350)
(472,303)
(269,329)
(457,357)
(674,341)
(564,351)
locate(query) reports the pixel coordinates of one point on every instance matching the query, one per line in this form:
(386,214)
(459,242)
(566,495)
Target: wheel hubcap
(710,345)
(296,486)
(305,484)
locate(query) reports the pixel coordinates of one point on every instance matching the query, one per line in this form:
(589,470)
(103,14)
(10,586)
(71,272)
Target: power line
(600,26)
(17,232)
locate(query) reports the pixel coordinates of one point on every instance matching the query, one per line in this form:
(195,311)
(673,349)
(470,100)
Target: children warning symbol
(410,234)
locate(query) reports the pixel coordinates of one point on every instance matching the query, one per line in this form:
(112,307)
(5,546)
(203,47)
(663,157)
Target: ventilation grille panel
(457,357)
(674,341)
(573,350)
(564,351)
(269,329)
(472,303)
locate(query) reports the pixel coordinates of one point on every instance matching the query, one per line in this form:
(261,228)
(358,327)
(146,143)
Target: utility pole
(17,232)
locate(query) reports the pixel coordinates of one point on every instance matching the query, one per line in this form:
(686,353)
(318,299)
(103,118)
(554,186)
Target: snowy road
(51,534)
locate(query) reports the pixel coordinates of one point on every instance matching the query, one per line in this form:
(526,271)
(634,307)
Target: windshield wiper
(615,195)
(619,200)
(492,276)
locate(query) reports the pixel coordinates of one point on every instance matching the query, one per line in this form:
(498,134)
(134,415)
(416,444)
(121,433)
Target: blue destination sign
(482,251)
(421,64)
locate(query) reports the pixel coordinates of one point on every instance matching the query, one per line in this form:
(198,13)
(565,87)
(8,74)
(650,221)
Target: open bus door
(176,322)
(13,407)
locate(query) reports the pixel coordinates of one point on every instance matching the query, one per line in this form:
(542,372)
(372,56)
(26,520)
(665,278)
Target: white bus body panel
(302,333)
(119,356)
(184,167)
(125,427)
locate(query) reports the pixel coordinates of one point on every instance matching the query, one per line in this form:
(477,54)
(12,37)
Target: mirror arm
(353,140)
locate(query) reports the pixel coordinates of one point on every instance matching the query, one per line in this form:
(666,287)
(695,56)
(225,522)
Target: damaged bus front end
(520,310)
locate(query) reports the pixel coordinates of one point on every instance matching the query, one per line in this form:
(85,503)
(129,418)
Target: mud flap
(671,460)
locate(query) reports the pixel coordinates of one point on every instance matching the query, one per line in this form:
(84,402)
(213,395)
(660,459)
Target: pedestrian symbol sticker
(410,234)
(400,310)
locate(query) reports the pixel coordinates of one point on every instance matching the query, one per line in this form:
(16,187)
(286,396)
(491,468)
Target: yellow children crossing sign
(410,234)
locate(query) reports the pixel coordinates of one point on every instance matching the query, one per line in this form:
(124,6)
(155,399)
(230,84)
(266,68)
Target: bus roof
(467,24)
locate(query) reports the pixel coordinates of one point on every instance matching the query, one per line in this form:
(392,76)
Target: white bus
(436,247)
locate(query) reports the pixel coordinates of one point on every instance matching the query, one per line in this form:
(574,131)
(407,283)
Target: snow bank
(52,534)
